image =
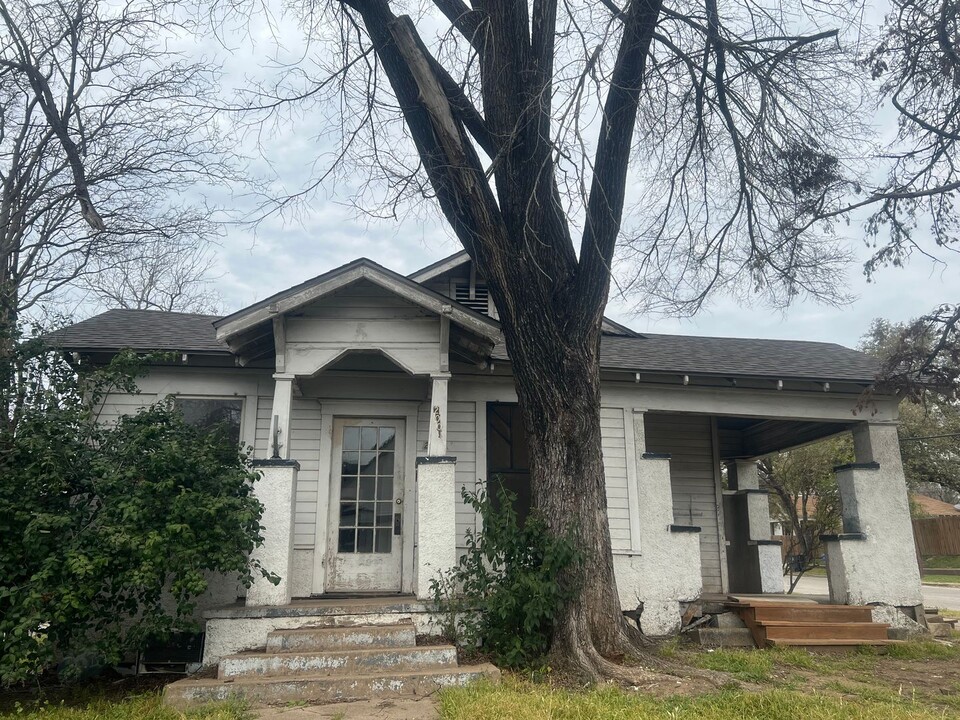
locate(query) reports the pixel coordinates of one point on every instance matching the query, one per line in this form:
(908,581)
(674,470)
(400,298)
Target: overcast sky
(281,252)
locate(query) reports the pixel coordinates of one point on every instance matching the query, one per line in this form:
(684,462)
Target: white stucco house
(371,399)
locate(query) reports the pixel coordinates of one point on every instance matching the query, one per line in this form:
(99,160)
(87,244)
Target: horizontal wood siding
(615,472)
(117,404)
(462,444)
(689,440)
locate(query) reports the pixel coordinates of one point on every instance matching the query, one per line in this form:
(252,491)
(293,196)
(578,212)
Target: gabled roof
(454,261)
(360,269)
(440,267)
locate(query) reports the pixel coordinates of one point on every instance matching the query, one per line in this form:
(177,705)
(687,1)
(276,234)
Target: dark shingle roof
(141,330)
(732,357)
(681,354)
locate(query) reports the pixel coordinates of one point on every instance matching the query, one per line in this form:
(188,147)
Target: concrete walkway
(399,709)
(933,595)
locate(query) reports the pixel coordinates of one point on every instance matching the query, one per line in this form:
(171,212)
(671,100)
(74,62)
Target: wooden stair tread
(819,623)
(792,605)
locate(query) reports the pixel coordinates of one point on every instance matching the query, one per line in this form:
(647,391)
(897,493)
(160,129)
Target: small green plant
(505,593)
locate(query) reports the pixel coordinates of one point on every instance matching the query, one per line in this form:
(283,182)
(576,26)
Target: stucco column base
(663,568)
(436,549)
(873,561)
(277,490)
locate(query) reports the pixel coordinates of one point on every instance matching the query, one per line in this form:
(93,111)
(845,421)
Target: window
(209,413)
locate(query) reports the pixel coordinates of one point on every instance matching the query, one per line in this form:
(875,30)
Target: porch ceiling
(741,438)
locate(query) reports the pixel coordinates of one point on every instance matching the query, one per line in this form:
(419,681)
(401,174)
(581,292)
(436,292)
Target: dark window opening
(209,414)
(508,456)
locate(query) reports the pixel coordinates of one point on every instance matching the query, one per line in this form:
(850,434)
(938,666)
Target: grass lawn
(942,561)
(942,579)
(912,681)
(100,705)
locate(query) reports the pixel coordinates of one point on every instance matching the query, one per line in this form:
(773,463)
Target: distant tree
(929,417)
(806,498)
(104,149)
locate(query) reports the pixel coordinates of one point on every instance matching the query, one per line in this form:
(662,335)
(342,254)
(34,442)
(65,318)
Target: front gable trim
(362,269)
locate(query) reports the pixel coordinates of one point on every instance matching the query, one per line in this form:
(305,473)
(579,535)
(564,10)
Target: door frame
(365,409)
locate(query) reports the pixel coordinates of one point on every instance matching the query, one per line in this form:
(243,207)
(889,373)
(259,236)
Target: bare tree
(807,498)
(732,131)
(162,276)
(102,142)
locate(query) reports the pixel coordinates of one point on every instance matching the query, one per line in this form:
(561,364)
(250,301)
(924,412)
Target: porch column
(754,559)
(663,568)
(436,549)
(277,490)
(873,559)
(279,443)
(437,438)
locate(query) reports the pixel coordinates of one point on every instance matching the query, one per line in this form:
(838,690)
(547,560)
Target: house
(926,506)
(371,399)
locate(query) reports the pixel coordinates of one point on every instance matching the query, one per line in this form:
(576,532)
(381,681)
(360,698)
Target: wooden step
(807,613)
(867,631)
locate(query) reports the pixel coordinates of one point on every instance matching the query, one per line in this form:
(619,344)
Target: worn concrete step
(940,629)
(725,637)
(783,630)
(320,639)
(339,662)
(318,689)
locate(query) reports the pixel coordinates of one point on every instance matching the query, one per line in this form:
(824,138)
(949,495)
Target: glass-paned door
(366,505)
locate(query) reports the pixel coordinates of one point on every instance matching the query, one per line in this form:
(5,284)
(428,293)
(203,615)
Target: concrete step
(318,689)
(940,629)
(345,637)
(339,662)
(725,637)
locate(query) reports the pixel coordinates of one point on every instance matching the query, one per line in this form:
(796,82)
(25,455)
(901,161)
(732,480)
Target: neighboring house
(371,399)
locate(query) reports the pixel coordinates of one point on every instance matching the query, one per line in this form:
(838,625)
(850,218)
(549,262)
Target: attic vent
(475,296)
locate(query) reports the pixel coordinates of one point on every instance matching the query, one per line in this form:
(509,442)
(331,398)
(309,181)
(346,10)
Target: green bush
(107,534)
(504,594)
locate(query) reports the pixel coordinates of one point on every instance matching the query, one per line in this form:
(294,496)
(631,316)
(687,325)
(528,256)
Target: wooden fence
(937,535)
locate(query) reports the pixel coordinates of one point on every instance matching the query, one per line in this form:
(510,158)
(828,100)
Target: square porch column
(873,561)
(277,490)
(754,559)
(662,568)
(436,548)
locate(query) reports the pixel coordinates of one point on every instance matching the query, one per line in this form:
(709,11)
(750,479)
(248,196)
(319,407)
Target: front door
(366,504)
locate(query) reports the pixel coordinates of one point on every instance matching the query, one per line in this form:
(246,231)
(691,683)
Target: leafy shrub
(504,594)
(107,534)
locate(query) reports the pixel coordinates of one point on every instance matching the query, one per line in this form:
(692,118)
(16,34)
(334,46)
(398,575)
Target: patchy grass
(924,650)
(146,706)
(519,700)
(942,561)
(747,665)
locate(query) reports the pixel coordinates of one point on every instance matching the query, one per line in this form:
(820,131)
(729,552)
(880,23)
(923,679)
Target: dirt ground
(400,709)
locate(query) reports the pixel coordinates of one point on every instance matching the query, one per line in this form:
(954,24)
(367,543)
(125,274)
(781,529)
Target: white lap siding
(615,473)
(689,440)
(305,449)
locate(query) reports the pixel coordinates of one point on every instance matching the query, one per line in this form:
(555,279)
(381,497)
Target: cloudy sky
(327,232)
